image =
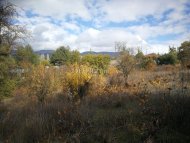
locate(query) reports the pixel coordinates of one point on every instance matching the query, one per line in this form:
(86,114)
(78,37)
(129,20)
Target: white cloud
(104,40)
(56,8)
(127,10)
(51,27)
(46,35)
(147,31)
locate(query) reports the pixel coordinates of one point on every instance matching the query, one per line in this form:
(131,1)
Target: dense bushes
(75,80)
(145,111)
(169,58)
(7,79)
(41,82)
(112,117)
(76,103)
(98,62)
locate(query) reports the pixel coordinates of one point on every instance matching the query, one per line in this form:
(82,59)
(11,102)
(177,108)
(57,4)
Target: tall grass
(154,108)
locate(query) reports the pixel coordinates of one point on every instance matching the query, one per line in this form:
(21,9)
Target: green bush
(7,66)
(97,62)
(26,55)
(169,58)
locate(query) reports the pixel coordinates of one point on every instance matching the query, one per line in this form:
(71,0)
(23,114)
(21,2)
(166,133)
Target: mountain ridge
(112,54)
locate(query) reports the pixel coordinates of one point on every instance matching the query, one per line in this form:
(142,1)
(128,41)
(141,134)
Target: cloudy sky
(152,25)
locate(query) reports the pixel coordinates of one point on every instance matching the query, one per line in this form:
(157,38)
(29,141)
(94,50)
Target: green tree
(7,64)
(97,62)
(169,58)
(140,59)
(9,34)
(26,55)
(126,60)
(139,55)
(75,57)
(184,54)
(61,56)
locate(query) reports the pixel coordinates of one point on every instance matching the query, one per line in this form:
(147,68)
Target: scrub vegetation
(77,98)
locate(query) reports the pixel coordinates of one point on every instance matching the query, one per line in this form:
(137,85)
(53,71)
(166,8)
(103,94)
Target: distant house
(45,54)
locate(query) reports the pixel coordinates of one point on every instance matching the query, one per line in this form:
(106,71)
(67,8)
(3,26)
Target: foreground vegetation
(154,107)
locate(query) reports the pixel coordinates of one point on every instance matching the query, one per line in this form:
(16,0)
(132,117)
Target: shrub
(42,82)
(148,63)
(77,78)
(126,63)
(98,62)
(7,77)
(167,59)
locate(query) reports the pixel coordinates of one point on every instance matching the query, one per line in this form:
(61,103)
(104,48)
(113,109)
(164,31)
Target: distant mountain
(40,52)
(111,54)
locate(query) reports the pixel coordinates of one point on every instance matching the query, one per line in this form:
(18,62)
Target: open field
(154,108)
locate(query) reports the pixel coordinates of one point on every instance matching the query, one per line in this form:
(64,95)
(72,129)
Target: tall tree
(26,55)
(168,58)
(7,63)
(9,34)
(184,54)
(126,63)
(75,57)
(9,31)
(61,56)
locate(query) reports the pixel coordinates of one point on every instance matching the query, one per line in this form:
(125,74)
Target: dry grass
(155,108)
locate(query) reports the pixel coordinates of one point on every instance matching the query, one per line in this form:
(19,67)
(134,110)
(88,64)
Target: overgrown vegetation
(74,98)
(169,58)
(151,109)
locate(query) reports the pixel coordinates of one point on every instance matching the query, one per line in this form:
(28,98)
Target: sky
(151,25)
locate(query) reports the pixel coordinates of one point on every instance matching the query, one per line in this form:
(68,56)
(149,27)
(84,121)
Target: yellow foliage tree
(77,79)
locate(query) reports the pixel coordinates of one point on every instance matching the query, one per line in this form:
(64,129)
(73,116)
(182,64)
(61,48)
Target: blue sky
(152,25)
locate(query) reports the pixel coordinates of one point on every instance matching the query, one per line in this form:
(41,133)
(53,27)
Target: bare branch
(10,33)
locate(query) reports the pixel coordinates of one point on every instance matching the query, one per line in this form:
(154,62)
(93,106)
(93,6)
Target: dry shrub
(150,65)
(81,80)
(112,117)
(167,68)
(112,70)
(98,84)
(115,77)
(42,82)
(34,122)
(116,80)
